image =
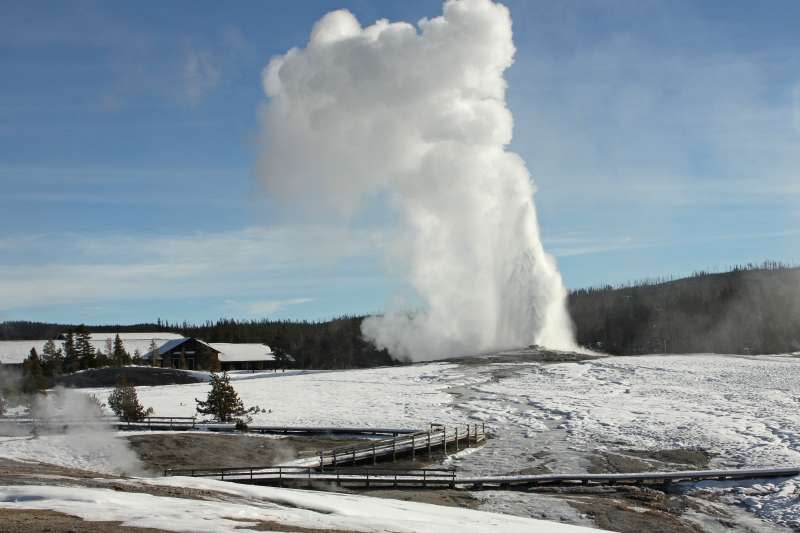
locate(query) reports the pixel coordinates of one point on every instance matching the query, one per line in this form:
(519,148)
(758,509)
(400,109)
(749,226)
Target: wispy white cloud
(231,266)
(262,308)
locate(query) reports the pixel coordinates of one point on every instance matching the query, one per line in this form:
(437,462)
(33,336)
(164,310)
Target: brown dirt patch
(40,521)
(636,510)
(449,498)
(277,526)
(627,461)
(160,451)
(18,472)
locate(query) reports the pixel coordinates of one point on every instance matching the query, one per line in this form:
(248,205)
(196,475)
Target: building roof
(236,352)
(174,343)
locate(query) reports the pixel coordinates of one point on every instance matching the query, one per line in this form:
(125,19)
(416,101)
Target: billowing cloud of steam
(418,116)
(78,432)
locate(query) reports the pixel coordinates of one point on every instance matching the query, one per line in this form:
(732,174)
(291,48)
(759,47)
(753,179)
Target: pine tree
(52,359)
(84,348)
(103,358)
(137,357)
(124,401)
(119,356)
(33,379)
(223,402)
(155,355)
(71,361)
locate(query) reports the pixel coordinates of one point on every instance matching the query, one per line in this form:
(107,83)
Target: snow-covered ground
(746,410)
(403,397)
(249,505)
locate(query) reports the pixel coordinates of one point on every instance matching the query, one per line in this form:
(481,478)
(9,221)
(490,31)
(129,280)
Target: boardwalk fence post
(413,449)
(444,439)
(429,445)
(321,462)
(374,458)
(456,438)
(468,435)
(367,479)
(334,460)
(394,449)
(354,456)
(309,476)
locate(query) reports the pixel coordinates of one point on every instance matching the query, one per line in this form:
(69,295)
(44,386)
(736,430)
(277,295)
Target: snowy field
(400,397)
(745,410)
(248,505)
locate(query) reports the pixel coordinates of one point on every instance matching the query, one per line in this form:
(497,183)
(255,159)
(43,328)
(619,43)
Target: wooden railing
(446,478)
(438,436)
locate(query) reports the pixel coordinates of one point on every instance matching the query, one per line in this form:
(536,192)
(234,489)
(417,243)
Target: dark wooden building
(188,353)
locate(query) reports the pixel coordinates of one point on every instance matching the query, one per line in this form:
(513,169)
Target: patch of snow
(298,508)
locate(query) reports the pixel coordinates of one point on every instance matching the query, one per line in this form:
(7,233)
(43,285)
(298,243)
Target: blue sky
(664,137)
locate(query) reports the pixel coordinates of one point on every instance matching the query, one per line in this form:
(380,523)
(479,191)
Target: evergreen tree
(33,378)
(71,361)
(137,357)
(52,359)
(84,348)
(223,402)
(119,356)
(155,354)
(103,358)
(124,401)
(2,405)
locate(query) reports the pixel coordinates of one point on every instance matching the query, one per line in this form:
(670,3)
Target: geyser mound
(417,115)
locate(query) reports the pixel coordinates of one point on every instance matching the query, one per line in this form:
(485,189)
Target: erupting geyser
(418,117)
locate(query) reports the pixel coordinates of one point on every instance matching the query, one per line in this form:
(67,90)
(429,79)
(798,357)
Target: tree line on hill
(331,344)
(752,309)
(39,371)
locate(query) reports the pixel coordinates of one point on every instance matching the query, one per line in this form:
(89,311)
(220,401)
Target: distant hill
(751,309)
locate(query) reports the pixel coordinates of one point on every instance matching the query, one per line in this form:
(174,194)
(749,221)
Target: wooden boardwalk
(297,476)
(437,438)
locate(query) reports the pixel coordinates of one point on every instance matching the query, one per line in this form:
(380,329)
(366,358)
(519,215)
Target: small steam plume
(418,116)
(87,435)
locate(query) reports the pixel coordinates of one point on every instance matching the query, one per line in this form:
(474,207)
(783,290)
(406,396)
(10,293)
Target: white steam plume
(419,116)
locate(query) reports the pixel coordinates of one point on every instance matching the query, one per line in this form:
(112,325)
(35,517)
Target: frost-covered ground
(746,409)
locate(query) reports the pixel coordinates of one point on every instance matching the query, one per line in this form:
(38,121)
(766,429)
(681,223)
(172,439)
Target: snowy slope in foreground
(249,505)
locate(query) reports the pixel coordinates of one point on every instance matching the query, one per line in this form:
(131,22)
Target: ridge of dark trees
(335,343)
(752,309)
